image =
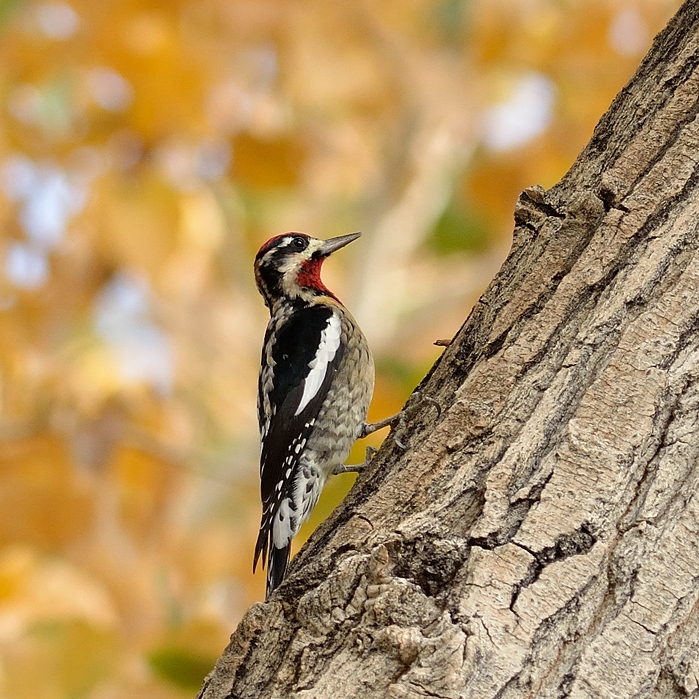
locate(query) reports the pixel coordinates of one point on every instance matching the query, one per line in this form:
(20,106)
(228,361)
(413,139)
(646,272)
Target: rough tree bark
(541,537)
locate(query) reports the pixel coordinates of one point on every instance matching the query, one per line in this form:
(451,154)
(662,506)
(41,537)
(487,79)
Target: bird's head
(288,266)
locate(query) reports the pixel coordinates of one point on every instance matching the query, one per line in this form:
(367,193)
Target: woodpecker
(315,384)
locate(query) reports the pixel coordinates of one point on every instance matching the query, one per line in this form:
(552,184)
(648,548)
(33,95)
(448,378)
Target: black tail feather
(261,547)
(277,563)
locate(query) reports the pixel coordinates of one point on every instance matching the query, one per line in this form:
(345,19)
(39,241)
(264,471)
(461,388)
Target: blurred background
(147,149)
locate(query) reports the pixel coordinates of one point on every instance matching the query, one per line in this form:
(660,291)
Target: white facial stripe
(329,344)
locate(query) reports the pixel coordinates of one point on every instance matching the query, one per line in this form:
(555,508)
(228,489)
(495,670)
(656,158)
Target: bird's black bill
(329,246)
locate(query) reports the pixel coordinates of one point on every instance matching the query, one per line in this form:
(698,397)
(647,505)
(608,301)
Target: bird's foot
(356,468)
(399,421)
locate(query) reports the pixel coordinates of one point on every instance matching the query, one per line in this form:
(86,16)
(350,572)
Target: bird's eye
(299,243)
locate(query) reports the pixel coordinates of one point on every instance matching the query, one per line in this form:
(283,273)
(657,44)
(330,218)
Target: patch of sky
(527,113)
(122,316)
(57,20)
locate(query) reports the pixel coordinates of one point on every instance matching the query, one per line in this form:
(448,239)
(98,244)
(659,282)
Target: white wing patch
(329,344)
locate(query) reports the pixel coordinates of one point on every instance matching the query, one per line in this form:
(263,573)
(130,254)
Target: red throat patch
(309,276)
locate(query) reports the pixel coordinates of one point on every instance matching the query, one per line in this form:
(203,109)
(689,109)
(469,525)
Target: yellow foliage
(44,500)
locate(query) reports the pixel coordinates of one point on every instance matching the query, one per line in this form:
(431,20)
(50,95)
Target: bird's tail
(277,563)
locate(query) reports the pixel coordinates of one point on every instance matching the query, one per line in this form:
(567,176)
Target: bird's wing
(305,354)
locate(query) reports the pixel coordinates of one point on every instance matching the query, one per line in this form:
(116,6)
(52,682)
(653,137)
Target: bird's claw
(414,404)
(398,422)
(356,468)
(417,401)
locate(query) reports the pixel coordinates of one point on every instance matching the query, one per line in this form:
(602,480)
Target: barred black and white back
(315,384)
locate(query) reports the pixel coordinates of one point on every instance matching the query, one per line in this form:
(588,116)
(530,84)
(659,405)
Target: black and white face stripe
(281,257)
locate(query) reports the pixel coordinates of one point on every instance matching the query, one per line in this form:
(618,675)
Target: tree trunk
(540,538)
